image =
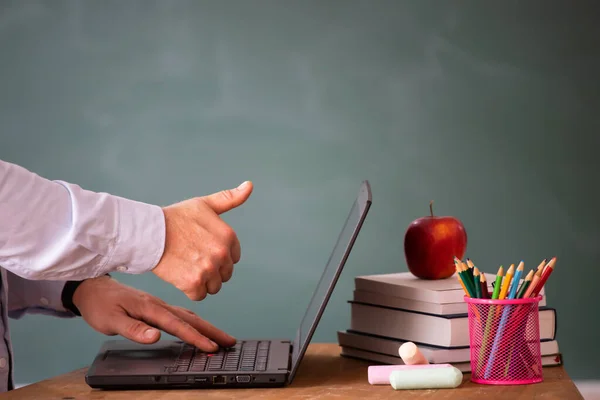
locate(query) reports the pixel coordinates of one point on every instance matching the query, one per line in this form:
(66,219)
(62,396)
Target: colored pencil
(466,280)
(542,264)
(465,277)
(477,282)
(516,281)
(458,276)
(498,283)
(506,282)
(470,269)
(525,285)
(547,271)
(534,281)
(484,289)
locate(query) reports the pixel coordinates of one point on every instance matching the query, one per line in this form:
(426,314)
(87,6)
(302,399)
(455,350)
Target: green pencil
(465,278)
(477,283)
(498,283)
(525,285)
(470,269)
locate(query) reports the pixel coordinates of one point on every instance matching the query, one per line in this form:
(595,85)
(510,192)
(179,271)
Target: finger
(209,276)
(226,272)
(207,329)
(236,251)
(223,256)
(133,329)
(196,293)
(214,283)
(225,200)
(161,317)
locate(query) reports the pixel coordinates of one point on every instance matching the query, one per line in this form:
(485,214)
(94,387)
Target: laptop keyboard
(243,356)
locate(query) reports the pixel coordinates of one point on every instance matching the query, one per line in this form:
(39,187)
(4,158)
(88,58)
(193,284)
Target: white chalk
(426,378)
(411,355)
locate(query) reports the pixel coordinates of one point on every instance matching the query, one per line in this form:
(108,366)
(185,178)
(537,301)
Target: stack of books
(390,309)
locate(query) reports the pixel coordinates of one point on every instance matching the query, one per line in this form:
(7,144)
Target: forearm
(57,230)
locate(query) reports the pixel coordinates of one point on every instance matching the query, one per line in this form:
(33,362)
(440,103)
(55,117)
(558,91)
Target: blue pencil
(516,280)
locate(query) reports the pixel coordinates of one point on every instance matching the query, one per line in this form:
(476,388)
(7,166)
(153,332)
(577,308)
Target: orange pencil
(547,271)
(534,281)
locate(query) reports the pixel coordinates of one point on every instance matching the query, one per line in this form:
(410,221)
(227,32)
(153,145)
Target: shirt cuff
(35,297)
(140,238)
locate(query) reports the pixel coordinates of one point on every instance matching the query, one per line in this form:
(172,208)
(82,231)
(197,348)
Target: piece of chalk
(411,355)
(426,378)
(380,374)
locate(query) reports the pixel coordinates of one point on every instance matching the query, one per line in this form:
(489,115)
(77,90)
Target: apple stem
(431,207)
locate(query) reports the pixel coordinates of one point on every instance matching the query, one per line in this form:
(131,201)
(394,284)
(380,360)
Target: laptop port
(200,379)
(242,378)
(219,380)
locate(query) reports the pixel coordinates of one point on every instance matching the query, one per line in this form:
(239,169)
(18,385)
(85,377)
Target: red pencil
(484,289)
(547,271)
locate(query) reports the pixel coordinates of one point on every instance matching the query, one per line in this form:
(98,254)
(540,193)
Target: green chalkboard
(488,108)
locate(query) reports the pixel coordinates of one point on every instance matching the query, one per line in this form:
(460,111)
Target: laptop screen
(330,275)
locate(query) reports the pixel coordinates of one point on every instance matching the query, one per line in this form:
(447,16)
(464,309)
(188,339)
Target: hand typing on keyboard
(116,309)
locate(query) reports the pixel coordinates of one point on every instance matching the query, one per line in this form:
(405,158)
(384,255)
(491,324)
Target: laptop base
(123,365)
(157,382)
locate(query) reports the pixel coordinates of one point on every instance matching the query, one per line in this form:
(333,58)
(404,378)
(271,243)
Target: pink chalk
(380,374)
(411,355)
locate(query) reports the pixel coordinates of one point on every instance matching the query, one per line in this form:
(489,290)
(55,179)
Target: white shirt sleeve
(54,230)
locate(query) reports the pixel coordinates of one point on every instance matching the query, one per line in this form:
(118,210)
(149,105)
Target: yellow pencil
(506,282)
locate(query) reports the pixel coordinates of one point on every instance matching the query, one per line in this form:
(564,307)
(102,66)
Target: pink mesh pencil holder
(504,337)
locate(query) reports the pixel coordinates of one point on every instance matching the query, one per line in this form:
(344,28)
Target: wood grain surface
(323,374)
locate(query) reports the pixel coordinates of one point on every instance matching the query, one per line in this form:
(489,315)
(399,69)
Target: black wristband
(67,296)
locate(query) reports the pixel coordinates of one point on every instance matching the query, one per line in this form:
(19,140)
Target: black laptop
(122,364)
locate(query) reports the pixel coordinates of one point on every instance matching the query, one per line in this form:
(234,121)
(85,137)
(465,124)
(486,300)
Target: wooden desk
(323,374)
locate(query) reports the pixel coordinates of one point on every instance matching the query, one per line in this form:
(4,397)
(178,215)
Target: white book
(408,286)
(435,355)
(465,367)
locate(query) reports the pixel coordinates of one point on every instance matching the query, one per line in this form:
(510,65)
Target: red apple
(431,243)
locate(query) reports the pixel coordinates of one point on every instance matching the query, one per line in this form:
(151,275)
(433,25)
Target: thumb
(134,329)
(225,200)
